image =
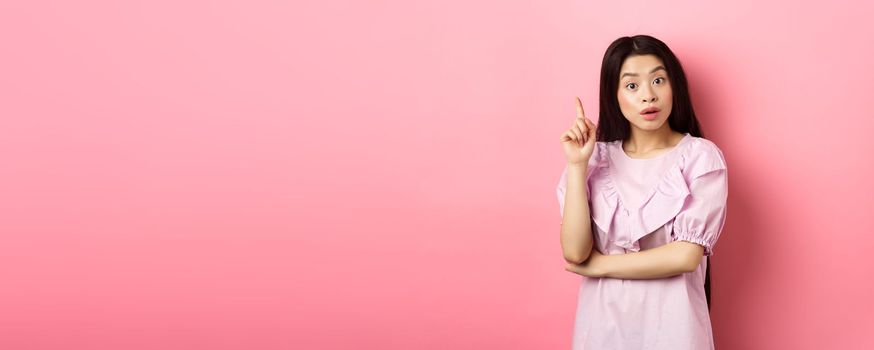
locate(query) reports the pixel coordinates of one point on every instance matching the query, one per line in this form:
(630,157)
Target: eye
(630,84)
(662,79)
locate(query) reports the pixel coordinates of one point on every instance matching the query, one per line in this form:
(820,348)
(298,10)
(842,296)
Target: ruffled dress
(638,204)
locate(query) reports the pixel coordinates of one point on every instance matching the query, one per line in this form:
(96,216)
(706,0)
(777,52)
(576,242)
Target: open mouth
(650,110)
(650,113)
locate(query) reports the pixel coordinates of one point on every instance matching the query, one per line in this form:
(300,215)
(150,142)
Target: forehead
(640,64)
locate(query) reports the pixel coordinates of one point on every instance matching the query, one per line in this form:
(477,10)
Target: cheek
(668,93)
(626,100)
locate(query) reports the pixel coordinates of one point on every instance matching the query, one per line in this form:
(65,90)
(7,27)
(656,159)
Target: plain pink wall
(381,175)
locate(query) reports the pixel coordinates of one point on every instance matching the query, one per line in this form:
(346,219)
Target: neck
(643,141)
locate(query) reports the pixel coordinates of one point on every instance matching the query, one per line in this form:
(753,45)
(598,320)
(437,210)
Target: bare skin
(576,225)
(642,84)
(646,85)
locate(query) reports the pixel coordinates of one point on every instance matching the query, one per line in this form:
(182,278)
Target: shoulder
(702,156)
(600,153)
(705,147)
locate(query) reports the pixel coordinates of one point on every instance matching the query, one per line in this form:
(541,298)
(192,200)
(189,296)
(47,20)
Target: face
(643,83)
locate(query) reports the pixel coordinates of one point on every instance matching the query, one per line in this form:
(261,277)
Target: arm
(696,228)
(664,261)
(576,222)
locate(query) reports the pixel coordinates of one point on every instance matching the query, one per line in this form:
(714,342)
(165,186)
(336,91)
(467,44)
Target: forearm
(576,225)
(664,261)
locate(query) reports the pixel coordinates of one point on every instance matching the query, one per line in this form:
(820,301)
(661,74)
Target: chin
(650,125)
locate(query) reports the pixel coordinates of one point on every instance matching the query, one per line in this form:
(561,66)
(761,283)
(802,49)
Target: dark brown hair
(613,126)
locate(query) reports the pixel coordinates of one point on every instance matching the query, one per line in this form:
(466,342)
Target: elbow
(577,257)
(575,251)
(688,256)
(687,268)
(689,264)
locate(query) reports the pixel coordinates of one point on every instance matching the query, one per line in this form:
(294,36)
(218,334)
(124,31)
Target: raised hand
(579,141)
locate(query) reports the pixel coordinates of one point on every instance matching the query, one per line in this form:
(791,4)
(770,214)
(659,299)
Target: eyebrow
(635,74)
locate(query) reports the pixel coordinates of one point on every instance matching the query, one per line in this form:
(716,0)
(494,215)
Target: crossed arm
(664,261)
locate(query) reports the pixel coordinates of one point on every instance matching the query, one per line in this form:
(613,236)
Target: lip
(650,109)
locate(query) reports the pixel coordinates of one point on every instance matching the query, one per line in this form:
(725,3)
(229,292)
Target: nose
(649,95)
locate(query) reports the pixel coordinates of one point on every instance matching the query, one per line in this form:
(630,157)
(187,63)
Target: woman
(643,201)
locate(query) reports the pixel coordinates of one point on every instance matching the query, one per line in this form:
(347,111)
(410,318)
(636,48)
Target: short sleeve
(703,216)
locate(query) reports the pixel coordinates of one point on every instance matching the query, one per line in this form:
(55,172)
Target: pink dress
(638,204)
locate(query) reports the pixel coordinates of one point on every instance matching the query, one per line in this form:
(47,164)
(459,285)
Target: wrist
(574,166)
(601,265)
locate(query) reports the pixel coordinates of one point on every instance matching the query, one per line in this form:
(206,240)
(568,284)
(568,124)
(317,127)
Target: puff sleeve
(703,216)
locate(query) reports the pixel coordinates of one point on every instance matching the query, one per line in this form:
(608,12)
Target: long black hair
(613,126)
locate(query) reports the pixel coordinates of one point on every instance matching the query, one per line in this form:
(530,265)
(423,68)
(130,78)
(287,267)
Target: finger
(571,136)
(580,112)
(579,133)
(592,128)
(583,134)
(582,125)
(568,136)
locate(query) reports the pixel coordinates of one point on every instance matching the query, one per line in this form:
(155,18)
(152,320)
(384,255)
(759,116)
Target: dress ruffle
(602,207)
(660,205)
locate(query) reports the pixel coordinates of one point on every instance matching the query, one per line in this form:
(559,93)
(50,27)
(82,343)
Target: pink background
(342,175)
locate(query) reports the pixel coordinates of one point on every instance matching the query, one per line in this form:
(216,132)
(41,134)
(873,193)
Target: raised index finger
(580,112)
